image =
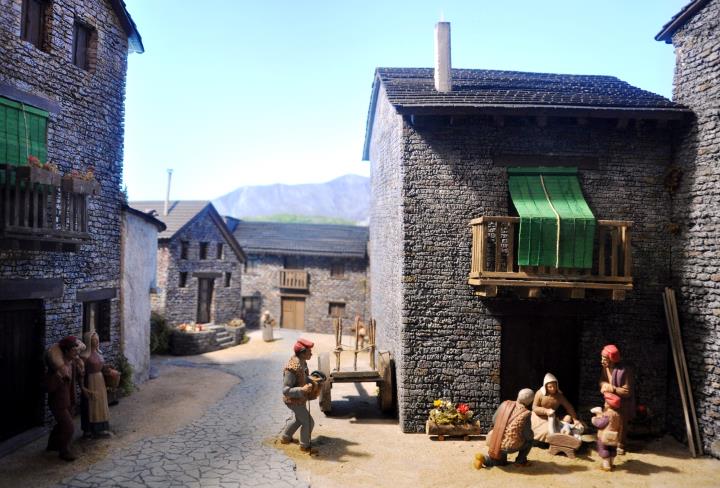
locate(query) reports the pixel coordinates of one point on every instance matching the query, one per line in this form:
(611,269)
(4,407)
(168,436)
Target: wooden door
(21,366)
(205,296)
(293,313)
(533,345)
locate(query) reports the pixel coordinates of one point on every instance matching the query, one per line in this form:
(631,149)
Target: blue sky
(232,92)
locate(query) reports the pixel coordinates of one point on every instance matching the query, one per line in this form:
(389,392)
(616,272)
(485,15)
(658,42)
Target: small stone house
(63,66)
(199,264)
(519,222)
(303,274)
(139,269)
(695,246)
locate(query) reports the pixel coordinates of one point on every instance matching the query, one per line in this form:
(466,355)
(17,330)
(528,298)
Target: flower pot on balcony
(77,185)
(41,176)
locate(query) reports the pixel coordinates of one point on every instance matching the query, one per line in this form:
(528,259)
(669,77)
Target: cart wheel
(441,437)
(386,395)
(324,367)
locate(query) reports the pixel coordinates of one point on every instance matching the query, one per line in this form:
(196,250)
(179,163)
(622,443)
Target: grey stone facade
(262,279)
(430,177)
(696,213)
(84,129)
(180,304)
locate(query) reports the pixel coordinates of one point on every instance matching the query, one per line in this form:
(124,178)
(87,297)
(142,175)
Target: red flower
(463,408)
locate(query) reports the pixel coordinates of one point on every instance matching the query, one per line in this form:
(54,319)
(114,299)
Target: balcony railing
(294,279)
(494,261)
(37,213)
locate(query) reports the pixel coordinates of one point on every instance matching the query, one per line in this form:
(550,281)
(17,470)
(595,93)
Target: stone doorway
(533,345)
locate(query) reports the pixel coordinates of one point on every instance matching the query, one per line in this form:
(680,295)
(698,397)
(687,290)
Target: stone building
(62,85)
(304,274)
(471,303)
(139,269)
(199,264)
(695,247)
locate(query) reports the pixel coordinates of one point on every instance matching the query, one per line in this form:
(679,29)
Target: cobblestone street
(223,448)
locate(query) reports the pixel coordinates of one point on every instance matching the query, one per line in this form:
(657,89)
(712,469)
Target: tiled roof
(179,213)
(303,239)
(679,19)
(414,87)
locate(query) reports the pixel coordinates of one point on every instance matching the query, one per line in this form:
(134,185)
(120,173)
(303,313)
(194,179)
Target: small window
(337,270)
(96,317)
(228,277)
(34,22)
(336,309)
(219,251)
(84,46)
(293,262)
(203,250)
(184,246)
(251,304)
(182,283)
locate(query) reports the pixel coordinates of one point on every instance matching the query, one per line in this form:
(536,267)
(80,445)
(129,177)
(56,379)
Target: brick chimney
(443,67)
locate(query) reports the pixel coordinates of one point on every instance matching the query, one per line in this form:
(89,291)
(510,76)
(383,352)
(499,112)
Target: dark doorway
(205,295)
(21,366)
(534,345)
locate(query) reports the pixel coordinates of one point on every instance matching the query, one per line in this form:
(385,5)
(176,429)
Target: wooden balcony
(36,212)
(294,279)
(494,262)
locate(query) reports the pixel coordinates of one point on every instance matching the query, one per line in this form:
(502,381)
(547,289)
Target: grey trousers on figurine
(301,420)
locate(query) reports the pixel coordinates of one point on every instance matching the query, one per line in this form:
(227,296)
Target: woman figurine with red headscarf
(616,378)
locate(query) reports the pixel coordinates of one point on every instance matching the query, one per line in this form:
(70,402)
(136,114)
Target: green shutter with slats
(545,198)
(23,132)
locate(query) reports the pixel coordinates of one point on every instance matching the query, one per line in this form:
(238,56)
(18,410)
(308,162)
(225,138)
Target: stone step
(222,335)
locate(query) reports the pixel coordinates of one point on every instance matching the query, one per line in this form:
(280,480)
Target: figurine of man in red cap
(298,388)
(608,423)
(616,378)
(63,374)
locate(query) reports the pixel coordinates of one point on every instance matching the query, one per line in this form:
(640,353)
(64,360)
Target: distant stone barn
(199,264)
(305,275)
(519,222)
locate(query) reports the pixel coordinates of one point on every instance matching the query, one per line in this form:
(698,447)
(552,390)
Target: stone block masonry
(696,215)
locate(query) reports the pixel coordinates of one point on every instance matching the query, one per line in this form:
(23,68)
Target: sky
(230,93)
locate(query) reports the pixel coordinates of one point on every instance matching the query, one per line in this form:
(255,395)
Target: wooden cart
(382,376)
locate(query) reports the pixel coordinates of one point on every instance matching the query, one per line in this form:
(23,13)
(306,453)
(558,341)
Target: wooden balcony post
(498,248)
(601,250)
(614,252)
(510,247)
(627,249)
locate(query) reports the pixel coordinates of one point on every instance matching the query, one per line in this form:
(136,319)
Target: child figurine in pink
(608,423)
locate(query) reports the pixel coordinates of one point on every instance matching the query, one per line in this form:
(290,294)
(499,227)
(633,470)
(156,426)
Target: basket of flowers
(449,419)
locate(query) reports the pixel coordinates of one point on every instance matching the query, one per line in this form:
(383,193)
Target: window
(337,269)
(23,132)
(96,316)
(203,250)
(336,309)
(34,18)
(184,246)
(251,304)
(293,262)
(228,277)
(182,283)
(84,46)
(219,251)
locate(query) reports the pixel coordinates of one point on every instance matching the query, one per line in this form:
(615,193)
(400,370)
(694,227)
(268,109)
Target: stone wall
(139,242)
(451,339)
(696,212)
(87,131)
(263,276)
(387,238)
(179,305)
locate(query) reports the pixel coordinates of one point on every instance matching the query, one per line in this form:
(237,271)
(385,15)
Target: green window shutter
(544,198)
(23,132)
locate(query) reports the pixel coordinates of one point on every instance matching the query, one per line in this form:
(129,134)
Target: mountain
(343,200)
